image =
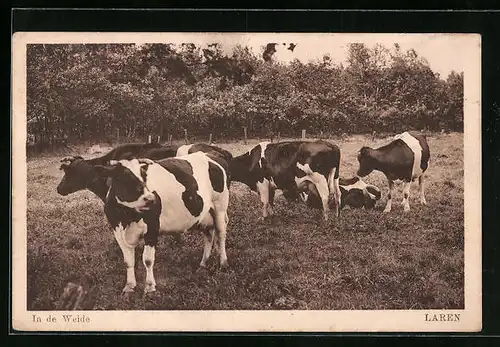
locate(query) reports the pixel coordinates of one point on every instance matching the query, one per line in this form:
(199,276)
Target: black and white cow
(355,193)
(173,195)
(405,158)
(79,173)
(290,166)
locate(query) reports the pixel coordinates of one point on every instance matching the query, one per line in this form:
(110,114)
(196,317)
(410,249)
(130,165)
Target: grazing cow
(173,195)
(405,158)
(290,166)
(355,193)
(79,173)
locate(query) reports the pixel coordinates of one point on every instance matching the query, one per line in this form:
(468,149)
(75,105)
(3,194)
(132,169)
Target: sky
(443,53)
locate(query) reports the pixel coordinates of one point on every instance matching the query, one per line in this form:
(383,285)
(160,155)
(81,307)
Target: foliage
(99,91)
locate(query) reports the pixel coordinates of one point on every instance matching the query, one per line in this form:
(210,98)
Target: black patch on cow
(216,177)
(348,181)
(117,213)
(354,198)
(183,172)
(215,151)
(158,153)
(144,172)
(152,220)
(424,162)
(395,160)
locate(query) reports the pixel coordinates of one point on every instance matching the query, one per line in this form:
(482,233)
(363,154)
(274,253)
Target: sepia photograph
(246,182)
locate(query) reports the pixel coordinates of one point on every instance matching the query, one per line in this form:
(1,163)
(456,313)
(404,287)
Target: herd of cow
(148,189)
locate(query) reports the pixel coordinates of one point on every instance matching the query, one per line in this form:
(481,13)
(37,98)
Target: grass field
(365,260)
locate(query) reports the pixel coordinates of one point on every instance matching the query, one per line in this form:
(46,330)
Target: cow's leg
(321,184)
(221,227)
(263,188)
(389,196)
(128,257)
(406,196)
(334,186)
(272,192)
(421,187)
(208,236)
(148,255)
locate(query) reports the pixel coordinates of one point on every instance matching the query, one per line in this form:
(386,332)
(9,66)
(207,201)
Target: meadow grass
(364,260)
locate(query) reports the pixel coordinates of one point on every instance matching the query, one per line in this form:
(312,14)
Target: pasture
(295,260)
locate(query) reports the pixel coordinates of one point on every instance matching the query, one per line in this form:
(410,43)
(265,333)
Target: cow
(173,195)
(290,166)
(355,193)
(79,173)
(405,158)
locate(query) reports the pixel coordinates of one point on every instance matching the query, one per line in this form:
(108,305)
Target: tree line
(78,92)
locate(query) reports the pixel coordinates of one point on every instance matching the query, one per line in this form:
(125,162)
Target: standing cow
(172,195)
(405,158)
(290,166)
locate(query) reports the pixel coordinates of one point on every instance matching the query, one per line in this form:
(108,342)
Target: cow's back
(130,150)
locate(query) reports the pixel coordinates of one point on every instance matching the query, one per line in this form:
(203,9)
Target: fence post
(186,135)
(303,134)
(170,139)
(158,140)
(210,139)
(245,134)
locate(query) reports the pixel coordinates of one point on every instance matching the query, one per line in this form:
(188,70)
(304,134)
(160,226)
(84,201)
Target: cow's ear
(106,170)
(374,190)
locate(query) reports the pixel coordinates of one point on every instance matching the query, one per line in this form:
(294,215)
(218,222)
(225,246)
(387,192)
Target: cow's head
(356,195)
(365,195)
(128,182)
(366,162)
(76,175)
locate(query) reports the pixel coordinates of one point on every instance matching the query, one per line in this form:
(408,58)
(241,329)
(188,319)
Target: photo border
(464,155)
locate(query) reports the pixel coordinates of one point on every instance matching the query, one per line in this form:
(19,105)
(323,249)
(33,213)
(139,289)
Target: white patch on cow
(362,186)
(263,189)
(128,252)
(388,206)
(306,168)
(148,259)
(140,203)
(406,196)
(134,166)
(175,217)
(263,146)
(319,181)
(183,150)
(415,147)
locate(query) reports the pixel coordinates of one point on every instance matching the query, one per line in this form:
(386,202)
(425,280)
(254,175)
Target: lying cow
(290,166)
(173,195)
(405,158)
(79,173)
(355,193)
